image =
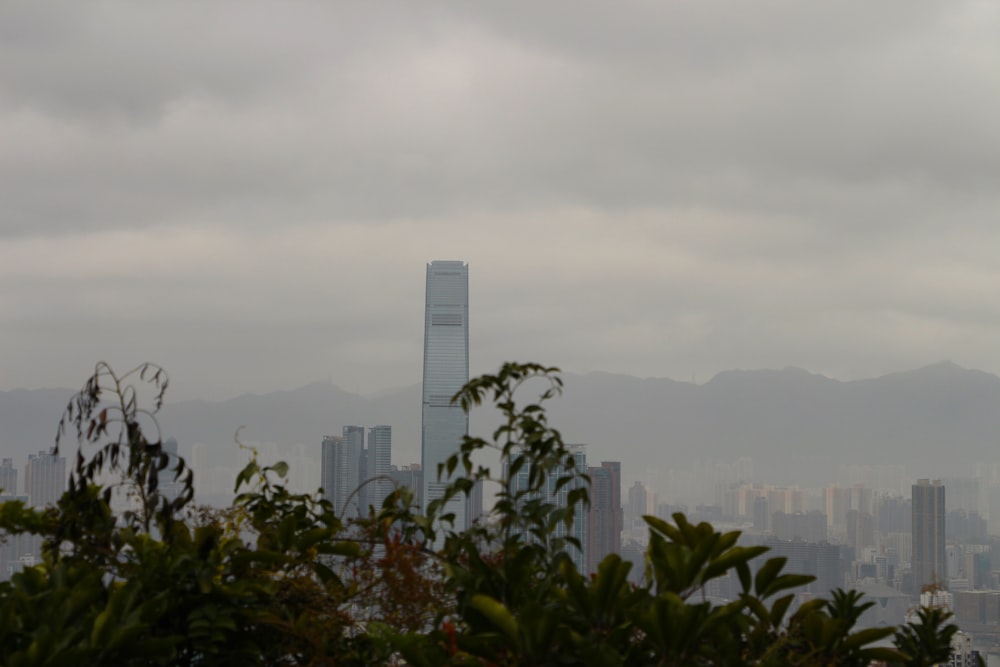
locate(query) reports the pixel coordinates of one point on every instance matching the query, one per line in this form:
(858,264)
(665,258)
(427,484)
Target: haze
(247,192)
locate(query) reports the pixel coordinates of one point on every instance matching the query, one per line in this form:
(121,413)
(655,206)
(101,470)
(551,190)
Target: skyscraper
(341,470)
(350,473)
(378,459)
(45,478)
(446,370)
(604,525)
(560,498)
(928,534)
(168,486)
(8,478)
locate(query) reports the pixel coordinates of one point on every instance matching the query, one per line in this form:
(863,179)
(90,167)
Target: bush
(278,579)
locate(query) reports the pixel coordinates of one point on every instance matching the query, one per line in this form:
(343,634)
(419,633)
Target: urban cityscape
(934,545)
(485,333)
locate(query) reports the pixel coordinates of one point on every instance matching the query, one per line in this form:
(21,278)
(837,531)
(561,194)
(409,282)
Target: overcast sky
(248,192)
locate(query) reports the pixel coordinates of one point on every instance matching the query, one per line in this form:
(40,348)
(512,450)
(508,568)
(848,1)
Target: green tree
(279,579)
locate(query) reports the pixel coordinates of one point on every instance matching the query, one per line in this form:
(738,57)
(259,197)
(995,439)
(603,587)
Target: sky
(247,193)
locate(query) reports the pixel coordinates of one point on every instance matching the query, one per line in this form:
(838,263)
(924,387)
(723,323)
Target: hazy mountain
(796,426)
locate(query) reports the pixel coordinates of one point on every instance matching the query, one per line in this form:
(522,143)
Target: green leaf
(497,614)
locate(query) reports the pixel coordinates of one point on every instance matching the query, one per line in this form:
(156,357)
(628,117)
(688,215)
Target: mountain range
(796,426)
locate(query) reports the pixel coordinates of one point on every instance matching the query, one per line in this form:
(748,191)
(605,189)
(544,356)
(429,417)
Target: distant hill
(795,425)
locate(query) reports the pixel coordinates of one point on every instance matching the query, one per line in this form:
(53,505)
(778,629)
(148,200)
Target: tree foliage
(133,576)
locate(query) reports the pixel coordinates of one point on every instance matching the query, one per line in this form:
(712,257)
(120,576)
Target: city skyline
(753,247)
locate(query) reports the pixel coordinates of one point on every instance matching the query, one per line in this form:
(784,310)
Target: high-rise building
(168,486)
(11,546)
(638,505)
(378,460)
(352,477)
(341,468)
(928,534)
(560,498)
(8,478)
(410,476)
(822,560)
(605,518)
(446,370)
(45,478)
(329,452)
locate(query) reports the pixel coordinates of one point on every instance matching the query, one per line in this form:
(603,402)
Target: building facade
(8,478)
(168,486)
(45,478)
(928,512)
(378,460)
(353,477)
(446,370)
(606,517)
(560,498)
(341,468)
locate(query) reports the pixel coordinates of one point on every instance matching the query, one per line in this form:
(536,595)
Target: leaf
(868,636)
(497,614)
(767,573)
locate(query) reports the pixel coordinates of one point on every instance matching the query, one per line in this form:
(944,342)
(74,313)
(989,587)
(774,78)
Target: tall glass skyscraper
(446,370)
(378,459)
(560,498)
(351,475)
(342,472)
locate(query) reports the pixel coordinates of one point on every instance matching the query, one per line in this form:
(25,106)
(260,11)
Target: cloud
(249,191)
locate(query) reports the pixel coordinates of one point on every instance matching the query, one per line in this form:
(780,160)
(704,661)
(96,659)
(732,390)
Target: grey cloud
(250,113)
(657,188)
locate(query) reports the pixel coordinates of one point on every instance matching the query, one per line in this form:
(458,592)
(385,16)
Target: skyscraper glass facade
(379,461)
(446,370)
(559,496)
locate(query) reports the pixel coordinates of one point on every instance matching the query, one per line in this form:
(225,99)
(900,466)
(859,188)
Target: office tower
(474,510)
(341,470)
(761,514)
(354,468)
(45,478)
(169,487)
(638,505)
(605,518)
(807,527)
(446,370)
(410,476)
(928,534)
(353,477)
(8,478)
(560,498)
(329,451)
(378,460)
(821,560)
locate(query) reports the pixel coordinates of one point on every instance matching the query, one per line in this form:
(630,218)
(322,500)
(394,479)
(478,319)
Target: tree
(279,579)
